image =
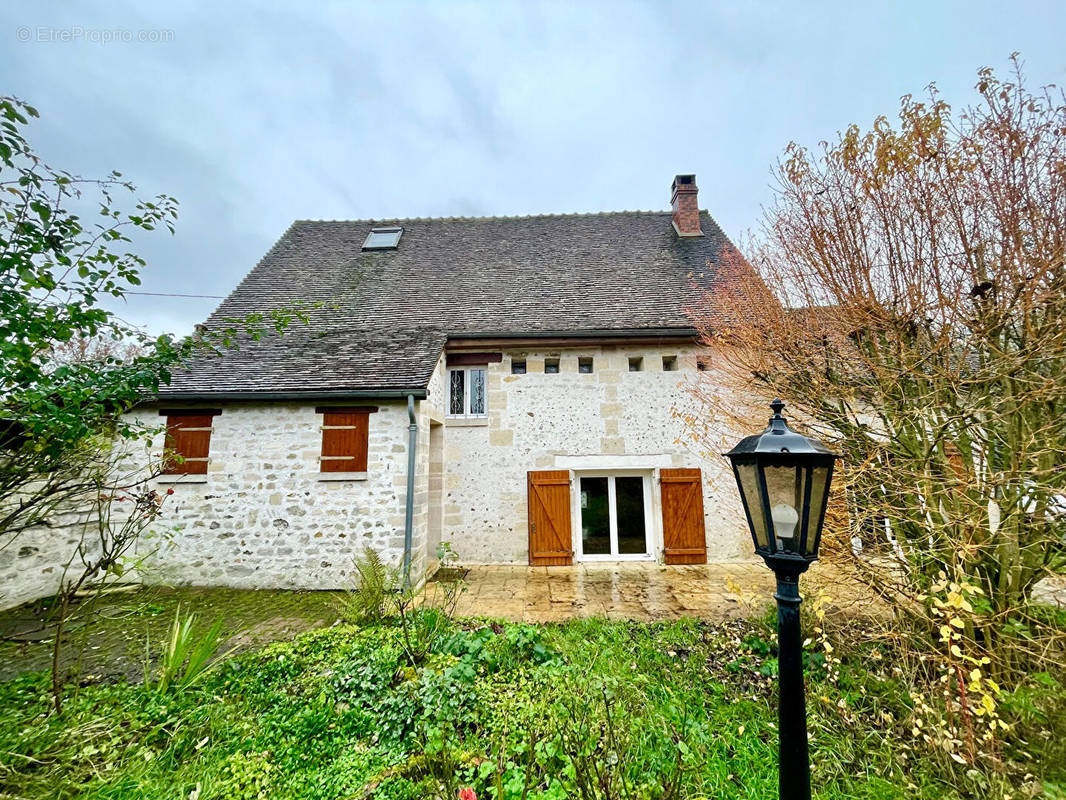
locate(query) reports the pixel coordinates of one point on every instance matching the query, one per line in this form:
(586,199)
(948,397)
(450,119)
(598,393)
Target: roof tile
(383,317)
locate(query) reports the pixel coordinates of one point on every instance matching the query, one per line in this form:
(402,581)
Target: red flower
(170,491)
(467,794)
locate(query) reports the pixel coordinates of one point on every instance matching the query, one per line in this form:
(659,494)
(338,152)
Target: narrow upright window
(701,364)
(636,363)
(669,363)
(477,393)
(457,392)
(551,366)
(518,366)
(584,365)
(467,392)
(188,441)
(345,438)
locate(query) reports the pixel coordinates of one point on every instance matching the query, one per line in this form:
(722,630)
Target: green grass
(340,713)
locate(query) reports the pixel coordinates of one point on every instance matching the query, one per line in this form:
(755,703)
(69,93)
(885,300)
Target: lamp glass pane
(749,485)
(784,489)
(819,482)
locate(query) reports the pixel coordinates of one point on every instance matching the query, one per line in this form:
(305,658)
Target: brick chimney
(683,200)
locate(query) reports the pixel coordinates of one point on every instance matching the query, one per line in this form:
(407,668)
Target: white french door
(614,516)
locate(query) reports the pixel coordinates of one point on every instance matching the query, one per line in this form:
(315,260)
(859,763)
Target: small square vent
(383,239)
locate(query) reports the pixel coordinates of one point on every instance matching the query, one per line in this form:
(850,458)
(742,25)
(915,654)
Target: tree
(56,412)
(96,350)
(70,369)
(918,321)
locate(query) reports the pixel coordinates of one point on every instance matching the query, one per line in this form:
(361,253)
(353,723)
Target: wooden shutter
(549,518)
(345,436)
(684,539)
(188,436)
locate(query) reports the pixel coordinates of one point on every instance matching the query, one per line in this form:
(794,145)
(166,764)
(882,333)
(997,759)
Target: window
(383,239)
(466,392)
(345,438)
(551,366)
(518,366)
(701,364)
(669,363)
(636,363)
(187,441)
(584,365)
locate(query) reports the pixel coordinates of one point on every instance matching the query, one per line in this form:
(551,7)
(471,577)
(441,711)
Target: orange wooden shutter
(684,539)
(549,518)
(344,441)
(189,436)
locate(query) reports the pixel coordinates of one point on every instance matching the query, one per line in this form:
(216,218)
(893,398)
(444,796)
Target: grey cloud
(256,113)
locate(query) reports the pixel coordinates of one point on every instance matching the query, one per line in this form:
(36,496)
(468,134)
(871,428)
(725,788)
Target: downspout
(412,440)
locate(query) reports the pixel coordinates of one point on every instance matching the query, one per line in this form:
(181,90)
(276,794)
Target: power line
(167,294)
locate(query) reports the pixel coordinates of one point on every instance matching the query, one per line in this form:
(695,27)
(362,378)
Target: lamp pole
(784,480)
(793,760)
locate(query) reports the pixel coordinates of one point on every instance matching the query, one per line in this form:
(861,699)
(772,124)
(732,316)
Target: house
(513,386)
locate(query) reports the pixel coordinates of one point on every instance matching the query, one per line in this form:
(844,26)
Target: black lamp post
(784,484)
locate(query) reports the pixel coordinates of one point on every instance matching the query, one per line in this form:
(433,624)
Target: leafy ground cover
(586,709)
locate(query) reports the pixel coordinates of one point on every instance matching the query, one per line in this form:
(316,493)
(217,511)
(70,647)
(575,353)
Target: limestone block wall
(549,421)
(430,412)
(264,518)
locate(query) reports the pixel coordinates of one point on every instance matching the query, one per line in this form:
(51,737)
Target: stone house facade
(515,387)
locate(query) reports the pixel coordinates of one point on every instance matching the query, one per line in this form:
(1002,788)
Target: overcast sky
(256,114)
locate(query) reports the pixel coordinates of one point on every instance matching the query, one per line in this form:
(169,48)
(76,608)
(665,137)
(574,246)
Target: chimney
(683,194)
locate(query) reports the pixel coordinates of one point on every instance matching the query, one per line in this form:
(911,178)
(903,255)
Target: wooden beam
(345,409)
(471,359)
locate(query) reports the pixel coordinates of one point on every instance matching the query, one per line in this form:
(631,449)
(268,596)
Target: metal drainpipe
(412,440)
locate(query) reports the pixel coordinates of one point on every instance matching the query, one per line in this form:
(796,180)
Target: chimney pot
(684,201)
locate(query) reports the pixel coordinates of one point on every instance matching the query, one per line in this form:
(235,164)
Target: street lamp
(784,485)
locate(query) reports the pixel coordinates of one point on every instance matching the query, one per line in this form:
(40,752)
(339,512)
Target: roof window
(383,238)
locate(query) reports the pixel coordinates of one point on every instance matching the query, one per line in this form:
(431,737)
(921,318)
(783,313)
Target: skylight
(383,239)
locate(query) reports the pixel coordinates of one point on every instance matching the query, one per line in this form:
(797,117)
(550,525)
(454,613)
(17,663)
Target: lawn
(590,708)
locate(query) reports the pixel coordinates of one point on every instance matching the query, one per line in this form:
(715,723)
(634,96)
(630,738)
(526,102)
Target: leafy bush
(368,601)
(589,709)
(247,776)
(190,654)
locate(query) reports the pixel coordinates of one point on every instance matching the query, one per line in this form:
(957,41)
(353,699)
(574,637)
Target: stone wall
(264,516)
(611,418)
(32,563)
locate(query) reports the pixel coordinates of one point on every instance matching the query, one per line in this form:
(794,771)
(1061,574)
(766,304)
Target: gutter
(408,525)
(589,333)
(338,394)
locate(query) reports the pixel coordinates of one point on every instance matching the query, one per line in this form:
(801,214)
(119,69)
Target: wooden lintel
(345,409)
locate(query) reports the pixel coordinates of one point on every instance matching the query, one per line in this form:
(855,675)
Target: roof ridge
(550,215)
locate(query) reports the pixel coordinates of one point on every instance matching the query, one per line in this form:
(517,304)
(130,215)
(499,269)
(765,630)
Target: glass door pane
(595,517)
(629,504)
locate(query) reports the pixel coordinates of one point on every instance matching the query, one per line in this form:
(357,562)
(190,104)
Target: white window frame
(383,238)
(466,392)
(651,532)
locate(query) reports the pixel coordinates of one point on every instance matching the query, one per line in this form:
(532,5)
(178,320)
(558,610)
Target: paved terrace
(636,590)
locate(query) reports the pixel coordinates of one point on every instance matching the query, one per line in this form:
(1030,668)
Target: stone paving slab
(647,591)
(634,590)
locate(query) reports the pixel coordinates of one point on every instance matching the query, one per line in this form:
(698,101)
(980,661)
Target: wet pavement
(109,640)
(634,590)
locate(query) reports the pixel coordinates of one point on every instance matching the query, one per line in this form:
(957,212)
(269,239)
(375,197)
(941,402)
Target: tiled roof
(384,316)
